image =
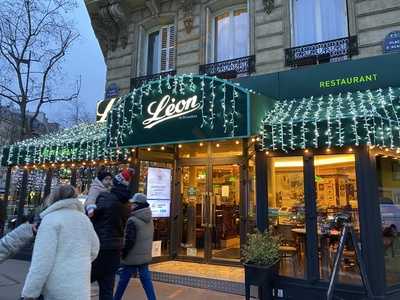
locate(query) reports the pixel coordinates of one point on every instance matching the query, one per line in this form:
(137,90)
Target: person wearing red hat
(109,222)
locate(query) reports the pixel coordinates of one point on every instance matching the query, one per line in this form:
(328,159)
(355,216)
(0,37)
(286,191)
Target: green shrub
(261,249)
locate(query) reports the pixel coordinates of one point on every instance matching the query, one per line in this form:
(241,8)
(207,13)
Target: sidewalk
(13,272)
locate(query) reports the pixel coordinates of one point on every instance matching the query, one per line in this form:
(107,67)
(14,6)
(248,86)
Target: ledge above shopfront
(184,108)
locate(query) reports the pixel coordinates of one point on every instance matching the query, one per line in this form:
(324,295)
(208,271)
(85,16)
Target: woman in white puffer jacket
(65,246)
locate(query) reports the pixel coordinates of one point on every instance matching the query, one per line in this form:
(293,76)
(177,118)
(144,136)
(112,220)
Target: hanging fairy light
(369,117)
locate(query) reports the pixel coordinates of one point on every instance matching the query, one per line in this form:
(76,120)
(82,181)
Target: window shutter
(167,48)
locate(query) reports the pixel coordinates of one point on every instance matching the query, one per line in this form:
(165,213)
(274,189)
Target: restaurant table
(324,242)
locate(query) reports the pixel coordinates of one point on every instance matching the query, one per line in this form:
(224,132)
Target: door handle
(203,210)
(212,210)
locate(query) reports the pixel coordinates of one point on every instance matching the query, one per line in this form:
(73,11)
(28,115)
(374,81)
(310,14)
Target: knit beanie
(124,177)
(103,174)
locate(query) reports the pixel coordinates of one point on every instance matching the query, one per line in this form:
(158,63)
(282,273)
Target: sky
(86,60)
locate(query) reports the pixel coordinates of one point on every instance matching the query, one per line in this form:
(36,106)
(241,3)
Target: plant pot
(261,276)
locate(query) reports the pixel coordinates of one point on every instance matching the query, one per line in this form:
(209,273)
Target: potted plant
(260,257)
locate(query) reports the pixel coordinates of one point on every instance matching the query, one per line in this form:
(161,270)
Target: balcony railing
(321,52)
(138,81)
(230,68)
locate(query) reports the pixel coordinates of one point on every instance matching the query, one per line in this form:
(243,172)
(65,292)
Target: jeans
(145,279)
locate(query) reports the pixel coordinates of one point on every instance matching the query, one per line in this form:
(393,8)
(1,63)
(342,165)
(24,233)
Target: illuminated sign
(169,108)
(65,152)
(103,108)
(183,108)
(347,81)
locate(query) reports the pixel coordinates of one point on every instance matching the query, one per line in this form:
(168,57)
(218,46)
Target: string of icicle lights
(79,143)
(360,118)
(219,101)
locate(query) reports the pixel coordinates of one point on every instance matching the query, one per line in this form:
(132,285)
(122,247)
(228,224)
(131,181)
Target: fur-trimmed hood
(70,203)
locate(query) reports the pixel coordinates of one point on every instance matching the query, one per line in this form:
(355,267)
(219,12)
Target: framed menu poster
(159,191)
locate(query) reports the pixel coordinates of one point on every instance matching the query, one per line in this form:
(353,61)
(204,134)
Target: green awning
(184,108)
(358,118)
(79,143)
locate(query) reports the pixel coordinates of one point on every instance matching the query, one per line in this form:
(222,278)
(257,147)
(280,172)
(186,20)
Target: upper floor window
(317,21)
(161,50)
(231,34)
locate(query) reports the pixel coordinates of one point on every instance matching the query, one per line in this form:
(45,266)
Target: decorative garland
(369,117)
(82,142)
(128,110)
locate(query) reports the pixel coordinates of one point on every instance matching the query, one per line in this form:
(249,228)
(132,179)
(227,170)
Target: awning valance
(358,118)
(78,143)
(184,108)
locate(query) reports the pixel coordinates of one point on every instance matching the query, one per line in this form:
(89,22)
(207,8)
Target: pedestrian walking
(65,246)
(102,183)
(109,221)
(137,251)
(15,240)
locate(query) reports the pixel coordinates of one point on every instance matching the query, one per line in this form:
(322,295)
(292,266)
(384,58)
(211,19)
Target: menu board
(160,208)
(159,191)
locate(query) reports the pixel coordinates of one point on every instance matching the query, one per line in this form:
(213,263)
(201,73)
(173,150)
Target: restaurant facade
(286,152)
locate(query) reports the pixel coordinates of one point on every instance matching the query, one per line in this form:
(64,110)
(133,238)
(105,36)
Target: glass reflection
(388,169)
(286,212)
(336,189)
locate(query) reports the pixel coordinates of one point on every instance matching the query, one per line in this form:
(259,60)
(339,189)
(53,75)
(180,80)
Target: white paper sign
(156,251)
(160,208)
(159,184)
(191,251)
(225,191)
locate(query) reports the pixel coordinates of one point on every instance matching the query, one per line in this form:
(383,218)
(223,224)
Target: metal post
(47,184)
(4,204)
(261,191)
(22,197)
(74,174)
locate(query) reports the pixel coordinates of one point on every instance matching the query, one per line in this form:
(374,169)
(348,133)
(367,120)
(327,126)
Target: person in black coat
(109,220)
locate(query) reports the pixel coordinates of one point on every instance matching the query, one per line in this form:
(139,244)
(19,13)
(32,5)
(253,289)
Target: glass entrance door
(225,212)
(194,208)
(210,212)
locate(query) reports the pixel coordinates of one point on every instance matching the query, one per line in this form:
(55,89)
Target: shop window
(336,190)
(227,148)
(286,212)
(161,50)
(191,150)
(315,21)
(231,34)
(388,170)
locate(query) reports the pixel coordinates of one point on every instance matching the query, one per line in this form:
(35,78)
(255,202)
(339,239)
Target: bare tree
(35,36)
(76,113)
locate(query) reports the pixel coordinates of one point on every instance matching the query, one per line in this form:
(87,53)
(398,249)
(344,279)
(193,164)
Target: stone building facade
(123,28)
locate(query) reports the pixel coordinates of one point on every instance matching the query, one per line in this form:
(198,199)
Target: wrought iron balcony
(230,68)
(321,52)
(138,81)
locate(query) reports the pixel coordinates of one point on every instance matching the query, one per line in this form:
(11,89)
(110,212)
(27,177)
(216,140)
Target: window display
(286,212)
(389,197)
(336,190)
